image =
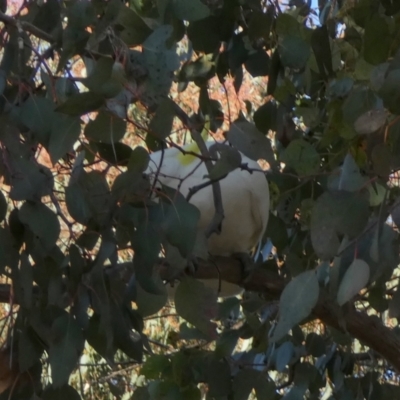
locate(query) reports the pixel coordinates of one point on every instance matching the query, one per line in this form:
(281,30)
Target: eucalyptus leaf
(106,128)
(65,349)
(370,121)
(81,103)
(296,303)
(197,303)
(250,141)
(301,156)
(355,279)
(190,11)
(42,222)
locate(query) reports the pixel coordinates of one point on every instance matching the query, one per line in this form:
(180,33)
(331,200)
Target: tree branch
(367,329)
(26,26)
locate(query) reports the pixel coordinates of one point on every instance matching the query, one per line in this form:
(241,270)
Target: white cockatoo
(245,200)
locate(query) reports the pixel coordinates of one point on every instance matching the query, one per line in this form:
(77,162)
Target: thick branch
(367,329)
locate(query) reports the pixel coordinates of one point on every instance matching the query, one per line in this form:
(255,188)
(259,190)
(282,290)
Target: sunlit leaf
(296,303)
(355,279)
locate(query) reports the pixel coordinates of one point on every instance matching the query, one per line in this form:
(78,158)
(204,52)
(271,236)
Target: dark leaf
(66,346)
(37,114)
(250,141)
(390,91)
(265,117)
(3,206)
(190,11)
(258,64)
(65,131)
(294,52)
(302,157)
(229,159)
(81,103)
(42,222)
(197,303)
(65,392)
(376,40)
(106,128)
(218,378)
(161,124)
(30,181)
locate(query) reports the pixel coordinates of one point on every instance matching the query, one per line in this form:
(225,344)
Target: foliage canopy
(88,88)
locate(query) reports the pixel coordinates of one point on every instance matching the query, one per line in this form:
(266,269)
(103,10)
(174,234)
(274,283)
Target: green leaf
(135,30)
(294,52)
(229,159)
(42,222)
(218,378)
(350,178)
(377,40)
(322,50)
(394,305)
(65,349)
(106,128)
(370,121)
(29,350)
(355,278)
(161,124)
(315,345)
(48,17)
(335,213)
(245,381)
(30,181)
(302,157)
(287,24)
(296,303)
(390,91)
(197,304)
(265,117)
(154,366)
(139,160)
(205,34)
(360,100)
(65,392)
(97,337)
(81,103)
(3,206)
(37,114)
(150,303)
(179,220)
(382,159)
(26,281)
(115,153)
(100,79)
(199,70)
(257,64)
(340,88)
(65,131)
(284,354)
(250,141)
(190,10)
(122,321)
(77,205)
